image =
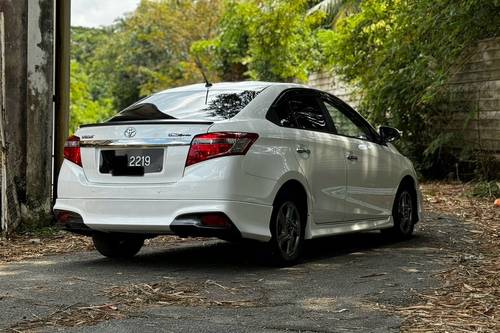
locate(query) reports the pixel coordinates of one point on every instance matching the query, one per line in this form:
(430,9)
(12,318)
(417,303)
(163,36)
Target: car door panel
(370,188)
(370,166)
(319,153)
(325,170)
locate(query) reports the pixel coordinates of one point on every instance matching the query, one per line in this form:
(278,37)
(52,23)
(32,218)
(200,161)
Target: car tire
(287,229)
(403,214)
(119,246)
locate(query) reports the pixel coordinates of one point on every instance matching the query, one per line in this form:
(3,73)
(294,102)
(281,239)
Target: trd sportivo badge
(178,135)
(130,132)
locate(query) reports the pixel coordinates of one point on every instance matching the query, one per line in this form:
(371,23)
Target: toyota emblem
(130,132)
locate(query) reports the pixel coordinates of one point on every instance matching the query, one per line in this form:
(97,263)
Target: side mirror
(389,134)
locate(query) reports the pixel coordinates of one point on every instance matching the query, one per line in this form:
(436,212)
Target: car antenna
(208,84)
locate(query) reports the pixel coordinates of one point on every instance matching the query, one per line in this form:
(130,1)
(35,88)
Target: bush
(486,190)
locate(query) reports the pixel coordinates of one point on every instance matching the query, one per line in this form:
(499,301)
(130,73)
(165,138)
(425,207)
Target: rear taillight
(72,150)
(211,145)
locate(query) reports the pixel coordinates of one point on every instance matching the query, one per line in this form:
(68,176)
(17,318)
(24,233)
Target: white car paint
(343,195)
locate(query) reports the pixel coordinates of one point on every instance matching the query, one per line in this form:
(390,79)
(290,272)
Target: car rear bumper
(158,216)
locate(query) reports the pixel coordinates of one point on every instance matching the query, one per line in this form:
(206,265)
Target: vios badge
(130,132)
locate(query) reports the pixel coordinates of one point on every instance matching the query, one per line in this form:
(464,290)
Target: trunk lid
(158,148)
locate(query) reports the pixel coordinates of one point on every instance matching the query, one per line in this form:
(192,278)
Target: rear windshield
(197,105)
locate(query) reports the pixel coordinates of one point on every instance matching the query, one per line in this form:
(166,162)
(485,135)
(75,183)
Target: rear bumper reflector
(205,225)
(72,222)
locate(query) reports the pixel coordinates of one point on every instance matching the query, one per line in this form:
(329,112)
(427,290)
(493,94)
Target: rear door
(370,168)
(319,153)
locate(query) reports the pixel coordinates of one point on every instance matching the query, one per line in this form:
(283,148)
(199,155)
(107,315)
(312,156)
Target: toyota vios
(273,162)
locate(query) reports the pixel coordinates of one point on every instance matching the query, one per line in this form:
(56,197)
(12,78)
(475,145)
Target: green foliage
(84,108)
(271,40)
(336,9)
(90,92)
(225,55)
(399,53)
(147,51)
(150,49)
(85,41)
(486,189)
(281,43)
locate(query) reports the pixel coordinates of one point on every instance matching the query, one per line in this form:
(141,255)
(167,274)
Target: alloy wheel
(288,229)
(405,212)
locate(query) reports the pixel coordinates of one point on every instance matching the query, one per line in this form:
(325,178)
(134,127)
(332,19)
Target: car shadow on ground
(249,256)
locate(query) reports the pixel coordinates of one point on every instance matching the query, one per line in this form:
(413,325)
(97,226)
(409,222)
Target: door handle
(303,150)
(352,158)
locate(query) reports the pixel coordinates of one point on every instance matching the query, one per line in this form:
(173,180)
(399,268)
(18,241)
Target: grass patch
(38,231)
(485,189)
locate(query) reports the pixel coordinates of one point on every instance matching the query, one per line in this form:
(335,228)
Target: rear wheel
(118,245)
(287,231)
(403,214)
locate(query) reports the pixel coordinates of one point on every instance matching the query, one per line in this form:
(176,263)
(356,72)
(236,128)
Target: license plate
(131,162)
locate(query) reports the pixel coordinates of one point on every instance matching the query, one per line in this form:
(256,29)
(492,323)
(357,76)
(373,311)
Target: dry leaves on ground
(128,300)
(23,247)
(72,316)
(470,298)
(184,293)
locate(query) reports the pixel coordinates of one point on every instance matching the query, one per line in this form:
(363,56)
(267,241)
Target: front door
(369,180)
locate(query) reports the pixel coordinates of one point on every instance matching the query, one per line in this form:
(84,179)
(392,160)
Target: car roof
(242,85)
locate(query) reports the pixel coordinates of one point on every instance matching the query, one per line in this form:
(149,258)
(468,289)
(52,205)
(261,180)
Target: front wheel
(403,214)
(287,232)
(120,246)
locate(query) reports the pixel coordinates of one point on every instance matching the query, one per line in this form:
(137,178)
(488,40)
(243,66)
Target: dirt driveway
(349,283)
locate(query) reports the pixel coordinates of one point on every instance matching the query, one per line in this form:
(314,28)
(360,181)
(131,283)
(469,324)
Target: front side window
(211,105)
(343,124)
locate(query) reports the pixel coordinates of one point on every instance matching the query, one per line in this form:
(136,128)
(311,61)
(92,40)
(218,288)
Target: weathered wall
(476,88)
(29,88)
(327,81)
(39,108)
(474,95)
(15,13)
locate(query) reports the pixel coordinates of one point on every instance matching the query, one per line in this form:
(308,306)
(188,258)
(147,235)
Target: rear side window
(211,105)
(307,113)
(300,111)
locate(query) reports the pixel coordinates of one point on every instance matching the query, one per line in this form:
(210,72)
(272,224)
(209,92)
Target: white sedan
(273,162)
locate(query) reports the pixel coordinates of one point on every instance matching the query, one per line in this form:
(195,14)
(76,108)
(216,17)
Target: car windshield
(195,105)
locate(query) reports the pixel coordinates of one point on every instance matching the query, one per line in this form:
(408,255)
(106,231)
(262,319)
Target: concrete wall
(16,13)
(474,95)
(29,42)
(476,88)
(327,81)
(39,108)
